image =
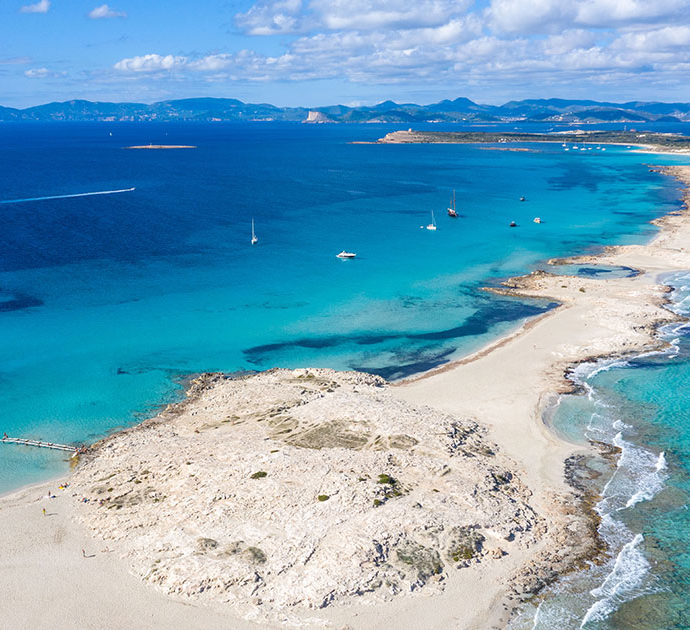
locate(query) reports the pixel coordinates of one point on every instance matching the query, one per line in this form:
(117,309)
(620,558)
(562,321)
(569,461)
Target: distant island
(658,142)
(162,146)
(461,109)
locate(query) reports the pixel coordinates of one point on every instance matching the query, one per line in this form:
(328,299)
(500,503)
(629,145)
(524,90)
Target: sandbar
(162,146)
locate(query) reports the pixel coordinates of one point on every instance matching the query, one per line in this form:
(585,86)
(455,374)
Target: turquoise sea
(641,406)
(108,302)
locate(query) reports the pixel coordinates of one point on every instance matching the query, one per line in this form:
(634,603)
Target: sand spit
(659,143)
(162,146)
(508,388)
(294,490)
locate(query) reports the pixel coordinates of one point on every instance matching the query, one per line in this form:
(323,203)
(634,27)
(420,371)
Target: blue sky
(318,52)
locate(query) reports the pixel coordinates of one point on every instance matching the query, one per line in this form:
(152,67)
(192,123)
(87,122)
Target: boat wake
(86,194)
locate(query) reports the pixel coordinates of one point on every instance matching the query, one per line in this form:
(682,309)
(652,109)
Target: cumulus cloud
(271,18)
(611,12)
(105,12)
(150,63)
(368,14)
(516,16)
(292,16)
(512,16)
(41,6)
(42,73)
(451,42)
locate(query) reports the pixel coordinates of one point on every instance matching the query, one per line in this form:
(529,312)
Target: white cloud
(518,16)
(568,41)
(546,16)
(610,12)
(105,12)
(271,18)
(41,6)
(377,14)
(210,63)
(42,73)
(150,63)
(516,43)
(659,40)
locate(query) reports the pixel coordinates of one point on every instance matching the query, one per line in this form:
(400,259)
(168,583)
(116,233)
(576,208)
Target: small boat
(432,225)
(452,212)
(537,219)
(345,254)
(523,199)
(255,240)
(512,224)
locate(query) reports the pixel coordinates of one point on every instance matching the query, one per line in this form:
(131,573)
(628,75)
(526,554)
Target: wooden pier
(39,444)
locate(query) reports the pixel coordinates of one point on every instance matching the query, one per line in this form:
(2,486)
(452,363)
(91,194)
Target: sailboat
(451,210)
(255,240)
(432,225)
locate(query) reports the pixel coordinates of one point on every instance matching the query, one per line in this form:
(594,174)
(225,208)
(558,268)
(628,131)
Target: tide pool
(107,302)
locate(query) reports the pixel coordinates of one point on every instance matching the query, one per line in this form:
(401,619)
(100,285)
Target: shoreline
(481,138)
(663,255)
(583,302)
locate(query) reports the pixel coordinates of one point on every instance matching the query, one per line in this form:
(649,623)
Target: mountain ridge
(460,109)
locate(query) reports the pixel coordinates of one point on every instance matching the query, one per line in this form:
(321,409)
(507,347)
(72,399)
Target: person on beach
(83,553)
(44,511)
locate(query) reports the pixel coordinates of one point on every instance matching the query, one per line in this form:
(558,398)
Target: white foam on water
(535,624)
(619,425)
(626,576)
(639,476)
(661,461)
(606,365)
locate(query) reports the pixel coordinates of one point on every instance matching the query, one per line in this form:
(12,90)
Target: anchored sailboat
(255,240)
(432,225)
(452,212)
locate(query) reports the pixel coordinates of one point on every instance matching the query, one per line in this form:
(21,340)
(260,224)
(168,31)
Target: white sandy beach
(47,582)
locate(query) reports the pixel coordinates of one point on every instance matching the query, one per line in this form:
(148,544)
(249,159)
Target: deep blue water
(106,302)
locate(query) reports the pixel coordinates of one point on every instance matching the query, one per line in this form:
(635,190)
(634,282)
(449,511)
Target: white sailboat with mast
(255,240)
(432,225)
(452,212)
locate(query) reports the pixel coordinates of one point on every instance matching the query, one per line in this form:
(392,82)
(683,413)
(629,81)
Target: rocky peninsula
(653,142)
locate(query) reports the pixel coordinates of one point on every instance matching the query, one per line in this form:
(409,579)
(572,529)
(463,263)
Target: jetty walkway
(40,444)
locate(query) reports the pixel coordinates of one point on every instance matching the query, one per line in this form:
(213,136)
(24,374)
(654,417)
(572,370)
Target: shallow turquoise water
(643,407)
(107,301)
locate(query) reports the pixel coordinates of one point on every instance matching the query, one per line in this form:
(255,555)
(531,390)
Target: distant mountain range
(458,110)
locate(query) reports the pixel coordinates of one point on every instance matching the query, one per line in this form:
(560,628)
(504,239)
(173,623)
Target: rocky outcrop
(317,117)
(302,489)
